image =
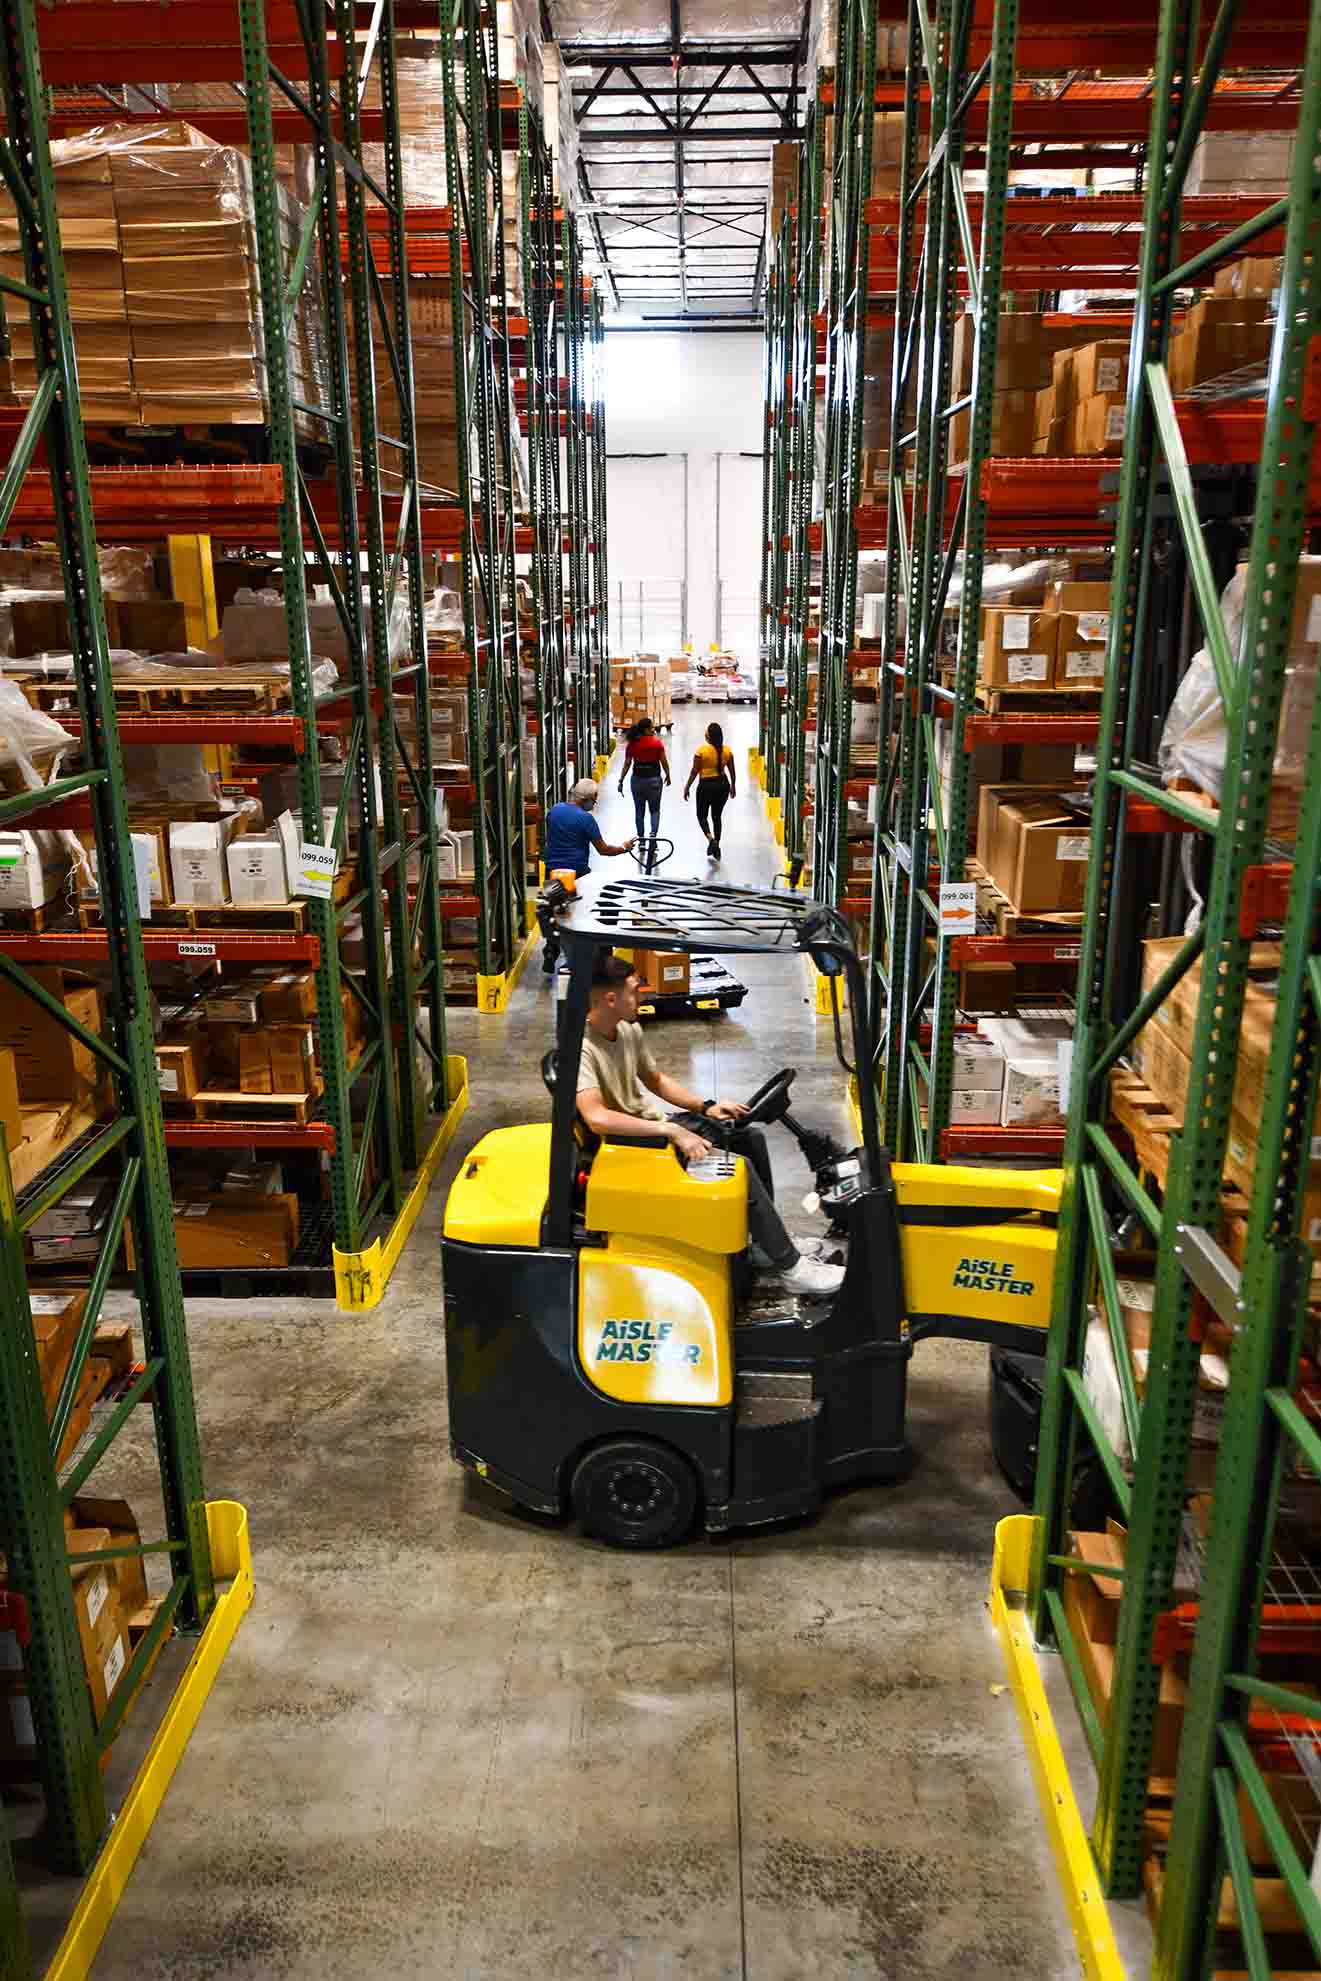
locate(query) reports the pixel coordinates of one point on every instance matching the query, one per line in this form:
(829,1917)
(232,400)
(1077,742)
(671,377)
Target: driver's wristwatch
(708,1105)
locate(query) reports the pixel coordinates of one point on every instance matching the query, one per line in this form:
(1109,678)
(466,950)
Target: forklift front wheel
(634,1493)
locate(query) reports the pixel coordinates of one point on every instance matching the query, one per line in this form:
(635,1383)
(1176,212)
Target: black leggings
(712,794)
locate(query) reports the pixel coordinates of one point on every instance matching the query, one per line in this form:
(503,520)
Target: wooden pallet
(163,916)
(37,921)
(1149,1124)
(261,918)
(1279,1917)
(174,697)
(255,1110)
(1021,698)
(1008,920)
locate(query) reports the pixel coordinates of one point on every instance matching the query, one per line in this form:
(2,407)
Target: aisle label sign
(958,907)
(316,871)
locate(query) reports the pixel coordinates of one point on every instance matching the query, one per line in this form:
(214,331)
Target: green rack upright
(488,495)
(33,1498)
(540,239)
(846,326)
(1263,1303)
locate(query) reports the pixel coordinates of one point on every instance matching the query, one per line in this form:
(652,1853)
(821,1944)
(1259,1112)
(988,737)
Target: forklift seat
(587,1142)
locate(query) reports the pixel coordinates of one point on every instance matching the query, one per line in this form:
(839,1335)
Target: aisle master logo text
(986,1276)
(640,1341)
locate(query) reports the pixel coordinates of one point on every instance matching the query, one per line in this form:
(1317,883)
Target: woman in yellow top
(713,767)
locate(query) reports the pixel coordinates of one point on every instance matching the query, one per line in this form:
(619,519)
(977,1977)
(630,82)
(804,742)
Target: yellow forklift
(610,1350)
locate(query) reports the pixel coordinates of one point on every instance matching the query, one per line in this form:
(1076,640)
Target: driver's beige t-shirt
(612,1067)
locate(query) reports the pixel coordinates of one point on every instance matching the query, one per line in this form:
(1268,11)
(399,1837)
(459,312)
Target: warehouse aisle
(453,1741)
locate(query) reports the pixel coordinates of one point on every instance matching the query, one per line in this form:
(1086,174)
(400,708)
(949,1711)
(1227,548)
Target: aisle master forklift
(610,1349)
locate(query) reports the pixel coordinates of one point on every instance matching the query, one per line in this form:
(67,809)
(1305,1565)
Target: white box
(256,868)
(34,867)
(1031,1089)
(979,1066)
(1100,1380)
(970,1107)
(197,860)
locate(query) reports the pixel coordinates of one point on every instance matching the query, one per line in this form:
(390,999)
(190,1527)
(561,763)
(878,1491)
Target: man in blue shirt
(571,833)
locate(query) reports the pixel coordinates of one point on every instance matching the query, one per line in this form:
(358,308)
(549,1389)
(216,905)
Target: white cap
(586,787)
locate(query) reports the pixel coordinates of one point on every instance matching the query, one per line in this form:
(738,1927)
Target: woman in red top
(650,764)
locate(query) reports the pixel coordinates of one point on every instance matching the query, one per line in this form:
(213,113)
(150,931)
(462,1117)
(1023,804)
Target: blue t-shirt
(570,834)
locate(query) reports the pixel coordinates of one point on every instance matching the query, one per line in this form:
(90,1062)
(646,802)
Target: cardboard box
(256,867)
(232,1229)
(1031,1089)
(1017,647)
(55,1318)
(34,869)
(1084,609)
(1098,1664)
(289,997)
(1256,276)
(181,1065)
(254,1062)
(11,1118)
(665,971)
(119,1521)
(1099,1594)
(1099,368)
(1099,423)
(50,1063)
(1040,853)
(237,1001)
(979,1066)
(971,1107)
(198,860)
(292,1059)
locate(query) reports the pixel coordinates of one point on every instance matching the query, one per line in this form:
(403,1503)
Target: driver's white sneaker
(809,1276)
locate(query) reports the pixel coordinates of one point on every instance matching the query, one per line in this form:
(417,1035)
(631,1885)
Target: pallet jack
(610,1350)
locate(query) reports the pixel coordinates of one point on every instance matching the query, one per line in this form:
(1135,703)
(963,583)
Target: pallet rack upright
(797,644)
(597,531)
(373,1152)
(38,1601)
(931,244)
(474,136)
(773,718)
(540,244)
(582,648)
(1263,1304)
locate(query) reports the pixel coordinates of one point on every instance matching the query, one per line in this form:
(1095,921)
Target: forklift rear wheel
(635,1494)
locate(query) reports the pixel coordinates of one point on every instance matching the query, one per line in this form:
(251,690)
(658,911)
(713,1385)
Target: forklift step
(764,1413)
(752,1383)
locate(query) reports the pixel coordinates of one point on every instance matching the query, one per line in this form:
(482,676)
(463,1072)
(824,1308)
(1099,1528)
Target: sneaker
(828,1250)
(809,1276)
(715,851)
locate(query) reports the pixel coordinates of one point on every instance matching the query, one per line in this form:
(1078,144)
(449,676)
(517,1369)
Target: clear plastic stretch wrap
(1196,736)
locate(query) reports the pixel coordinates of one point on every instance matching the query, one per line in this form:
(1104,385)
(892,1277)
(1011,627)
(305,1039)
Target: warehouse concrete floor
(453,1741)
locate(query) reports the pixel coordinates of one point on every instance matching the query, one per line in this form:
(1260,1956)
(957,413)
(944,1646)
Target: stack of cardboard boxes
(52,1086)
(1060,645)
(431,327)
(113,1612)
(640,687)
(162,272)
(1162,1054)
(1026,349)
(1007,1072)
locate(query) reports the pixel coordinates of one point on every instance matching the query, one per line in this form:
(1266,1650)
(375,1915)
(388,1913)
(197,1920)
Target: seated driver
(617,1079)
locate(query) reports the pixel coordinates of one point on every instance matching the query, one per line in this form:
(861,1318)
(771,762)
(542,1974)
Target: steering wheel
(650,853)
(770,1101)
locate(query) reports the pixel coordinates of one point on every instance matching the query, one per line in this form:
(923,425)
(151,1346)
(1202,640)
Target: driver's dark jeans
(766,1227)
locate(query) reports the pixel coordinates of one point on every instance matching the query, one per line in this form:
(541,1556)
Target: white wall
(695,396)
(684,394)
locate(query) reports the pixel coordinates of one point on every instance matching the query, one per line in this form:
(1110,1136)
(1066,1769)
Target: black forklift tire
(634,1493)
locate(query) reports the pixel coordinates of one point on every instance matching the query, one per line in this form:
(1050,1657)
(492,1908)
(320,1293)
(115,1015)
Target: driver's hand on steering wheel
(726,1111)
